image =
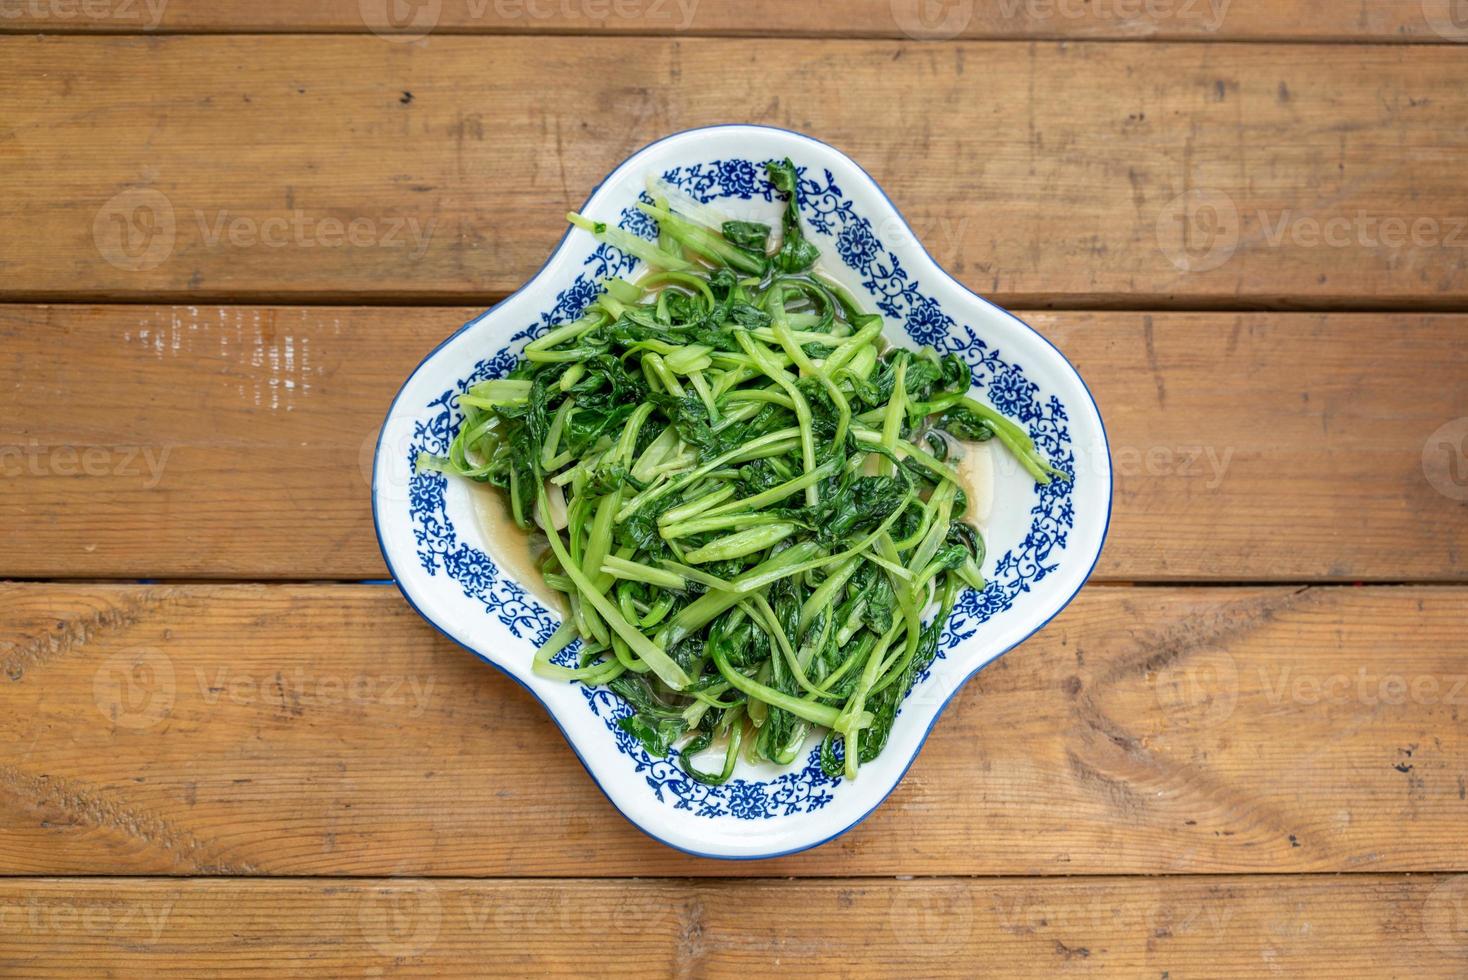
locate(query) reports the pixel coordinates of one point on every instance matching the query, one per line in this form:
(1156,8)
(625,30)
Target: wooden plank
(1232,20)
(1370,925)
(224,442)
(343,168)
(185,442)
(326,730)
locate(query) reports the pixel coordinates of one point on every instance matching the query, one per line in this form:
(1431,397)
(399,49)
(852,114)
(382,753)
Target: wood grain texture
(342,168)
(327,730)
(1315,20)
(1230,927)
(1224,782)
(185,442)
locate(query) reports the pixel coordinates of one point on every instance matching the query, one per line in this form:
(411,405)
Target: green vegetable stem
(746,497)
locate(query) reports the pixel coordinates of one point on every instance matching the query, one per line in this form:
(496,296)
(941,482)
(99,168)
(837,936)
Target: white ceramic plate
(1042,541)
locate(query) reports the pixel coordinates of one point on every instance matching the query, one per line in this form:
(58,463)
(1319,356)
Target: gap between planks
(1344,305)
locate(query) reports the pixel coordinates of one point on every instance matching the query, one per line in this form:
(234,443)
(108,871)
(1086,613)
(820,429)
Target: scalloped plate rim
(919,249)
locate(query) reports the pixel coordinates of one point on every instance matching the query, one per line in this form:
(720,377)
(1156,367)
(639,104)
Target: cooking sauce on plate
(513,549)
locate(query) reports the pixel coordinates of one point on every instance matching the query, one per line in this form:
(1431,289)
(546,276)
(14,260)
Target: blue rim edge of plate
(1101,546)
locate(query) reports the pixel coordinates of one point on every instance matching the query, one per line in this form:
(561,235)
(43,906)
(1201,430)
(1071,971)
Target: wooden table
(233,227)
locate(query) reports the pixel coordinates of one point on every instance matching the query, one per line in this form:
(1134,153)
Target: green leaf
(747,234)
(795,254)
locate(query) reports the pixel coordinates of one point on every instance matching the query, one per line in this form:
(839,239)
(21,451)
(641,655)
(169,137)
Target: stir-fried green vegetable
(747,501)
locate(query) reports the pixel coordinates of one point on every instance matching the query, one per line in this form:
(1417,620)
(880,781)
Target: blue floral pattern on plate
(900,298)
